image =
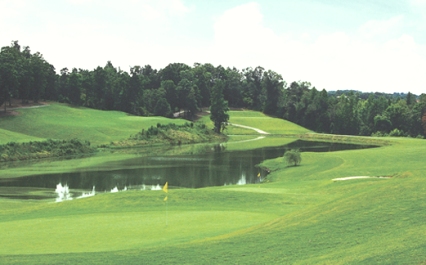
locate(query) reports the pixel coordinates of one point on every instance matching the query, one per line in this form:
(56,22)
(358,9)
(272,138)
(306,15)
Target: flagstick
(166,190)
(166,215)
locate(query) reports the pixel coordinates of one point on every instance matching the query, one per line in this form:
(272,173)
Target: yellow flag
(165,199)
(166,187)
(258,175)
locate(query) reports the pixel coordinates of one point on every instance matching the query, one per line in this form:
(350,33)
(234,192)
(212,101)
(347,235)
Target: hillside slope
(60,121)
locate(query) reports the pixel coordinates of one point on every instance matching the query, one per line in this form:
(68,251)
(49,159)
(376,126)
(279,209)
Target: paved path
(248,127)
(28,107)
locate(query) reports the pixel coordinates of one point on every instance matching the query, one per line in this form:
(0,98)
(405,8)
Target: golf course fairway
(298,215)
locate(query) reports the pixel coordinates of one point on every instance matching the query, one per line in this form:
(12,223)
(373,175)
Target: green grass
(7,136)
(252,142)
(265,123)
(258,120)
(58,121)
(298,216)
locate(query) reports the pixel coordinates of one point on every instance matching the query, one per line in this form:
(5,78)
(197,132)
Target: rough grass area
(13,151)
(188,133)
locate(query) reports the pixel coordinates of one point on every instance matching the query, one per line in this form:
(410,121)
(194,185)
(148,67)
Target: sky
(365,45)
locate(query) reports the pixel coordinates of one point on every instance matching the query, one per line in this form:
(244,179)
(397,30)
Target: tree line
(182,88)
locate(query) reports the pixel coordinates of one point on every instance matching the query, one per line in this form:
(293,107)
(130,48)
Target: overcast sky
(366,45)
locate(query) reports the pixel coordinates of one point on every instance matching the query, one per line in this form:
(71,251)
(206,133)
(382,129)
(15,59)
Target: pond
(216,167)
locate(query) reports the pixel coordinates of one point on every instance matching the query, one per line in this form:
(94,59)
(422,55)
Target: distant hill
(365,95)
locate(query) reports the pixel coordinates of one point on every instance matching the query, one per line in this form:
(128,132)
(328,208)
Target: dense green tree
(122,86)
(171,95)
(218,106)
(25,76)
(398,114)
(63,86)
(162,108)
(253,93)
(203,80)
(9,72)
(50,92)
(273,85)
(345,116)
(424,123)
(382,124)
(172,72)
(292,109)
(151,98)
(233,87)
(322,122)
(74,85)
(39,72)
(150,77)
(99,87)
(87,89)
(411,99)
(131,96)
(187,94)
(112,91)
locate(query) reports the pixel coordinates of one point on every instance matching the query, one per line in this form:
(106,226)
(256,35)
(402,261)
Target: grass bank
(23,136)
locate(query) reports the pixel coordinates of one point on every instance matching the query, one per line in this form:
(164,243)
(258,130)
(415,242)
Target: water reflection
(214,167)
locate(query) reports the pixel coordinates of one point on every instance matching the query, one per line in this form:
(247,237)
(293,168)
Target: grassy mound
(59,121)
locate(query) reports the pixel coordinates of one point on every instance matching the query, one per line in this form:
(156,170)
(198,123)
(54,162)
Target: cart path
(248,127)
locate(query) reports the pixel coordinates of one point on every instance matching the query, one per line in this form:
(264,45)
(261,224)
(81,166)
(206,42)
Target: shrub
(397,133)
(293,157)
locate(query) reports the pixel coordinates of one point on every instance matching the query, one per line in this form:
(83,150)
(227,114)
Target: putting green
(111,232)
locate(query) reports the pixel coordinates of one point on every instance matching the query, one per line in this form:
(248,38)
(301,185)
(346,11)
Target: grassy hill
(299,216)
(59,121)
(268,124)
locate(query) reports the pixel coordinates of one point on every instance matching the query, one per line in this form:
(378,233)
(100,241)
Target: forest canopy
(179,87)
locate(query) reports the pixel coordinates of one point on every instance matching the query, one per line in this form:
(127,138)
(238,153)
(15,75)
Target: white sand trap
(359,177)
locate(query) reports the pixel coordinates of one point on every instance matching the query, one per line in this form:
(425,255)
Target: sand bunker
(359,177)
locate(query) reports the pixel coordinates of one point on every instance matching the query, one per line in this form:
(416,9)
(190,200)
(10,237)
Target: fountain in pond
(156,187)
(242,180)
(88,194)
(115,189)
(63,193)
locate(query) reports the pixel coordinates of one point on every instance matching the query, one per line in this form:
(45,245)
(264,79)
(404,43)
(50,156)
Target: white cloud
(88,33)
(378,28)
(148,9)
(418,2)
(241,37)
(373,59)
